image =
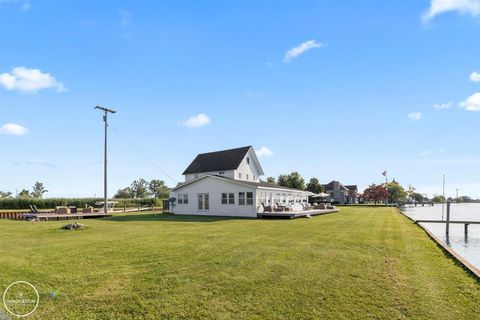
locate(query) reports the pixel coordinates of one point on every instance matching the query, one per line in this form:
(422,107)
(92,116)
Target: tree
(282,180)
(38,190)
(396,193)
(158,189)
(438,199)
(296,181)
(314,186)
(271,180)
(7,194)
(293,180)
(139,188)
(125,193)
(24,194)
(375,193)
(418,197)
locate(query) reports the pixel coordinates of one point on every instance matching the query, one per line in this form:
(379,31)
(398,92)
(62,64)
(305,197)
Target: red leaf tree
(375,193)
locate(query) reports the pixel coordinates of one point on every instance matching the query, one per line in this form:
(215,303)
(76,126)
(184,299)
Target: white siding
(193,176)
(214,187)
(248,171)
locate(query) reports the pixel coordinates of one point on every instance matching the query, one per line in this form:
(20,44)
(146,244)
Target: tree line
(296,181)
(37,192)
(141,189)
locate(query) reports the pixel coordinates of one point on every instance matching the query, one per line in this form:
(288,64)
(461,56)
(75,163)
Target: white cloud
(472,103)
(475,76)
(301,49)
(415,116)
(13,129)
(199,120)
(264,152)
(442,106)
(125,18)
(29,80)
(471,7)
(26,5)
(427,153)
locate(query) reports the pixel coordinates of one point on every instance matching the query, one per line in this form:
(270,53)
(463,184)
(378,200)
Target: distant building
(340,193)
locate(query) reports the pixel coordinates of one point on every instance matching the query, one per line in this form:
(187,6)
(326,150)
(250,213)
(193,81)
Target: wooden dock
(294,215)
(70,216)
(451,221)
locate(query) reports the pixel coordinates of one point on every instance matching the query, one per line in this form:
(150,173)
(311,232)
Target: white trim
(240,182)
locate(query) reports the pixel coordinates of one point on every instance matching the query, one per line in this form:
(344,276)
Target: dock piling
(447,231)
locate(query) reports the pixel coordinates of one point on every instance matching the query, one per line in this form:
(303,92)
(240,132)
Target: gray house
(340,193)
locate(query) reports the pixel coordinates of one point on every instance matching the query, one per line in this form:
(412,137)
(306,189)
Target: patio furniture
(62,210)
(88,210)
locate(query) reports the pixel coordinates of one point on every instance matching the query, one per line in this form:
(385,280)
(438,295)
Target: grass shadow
(169,217)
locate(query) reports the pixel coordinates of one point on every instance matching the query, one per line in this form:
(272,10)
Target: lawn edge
(471,270)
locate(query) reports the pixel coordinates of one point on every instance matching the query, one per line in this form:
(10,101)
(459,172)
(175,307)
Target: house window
(221,172)
(228,198)
(239,175)
(203,202)
(245,198)
(241,198)
(249,198)
(248,160)
(247,176)
(183,198)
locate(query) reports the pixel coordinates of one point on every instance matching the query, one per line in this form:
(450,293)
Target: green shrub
(23,203)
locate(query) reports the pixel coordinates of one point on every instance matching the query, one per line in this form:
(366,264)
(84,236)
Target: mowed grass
(360,263)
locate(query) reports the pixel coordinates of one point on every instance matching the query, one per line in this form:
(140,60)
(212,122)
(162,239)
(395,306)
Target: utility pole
(105,119)
(457,195)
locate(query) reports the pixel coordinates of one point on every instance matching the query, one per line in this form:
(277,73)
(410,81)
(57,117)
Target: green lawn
(360,263)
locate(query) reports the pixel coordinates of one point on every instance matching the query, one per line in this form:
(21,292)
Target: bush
(23,203)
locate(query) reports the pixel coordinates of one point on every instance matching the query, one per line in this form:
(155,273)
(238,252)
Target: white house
(227,183)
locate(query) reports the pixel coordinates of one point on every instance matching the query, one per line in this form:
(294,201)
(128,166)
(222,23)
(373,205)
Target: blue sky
(333,89)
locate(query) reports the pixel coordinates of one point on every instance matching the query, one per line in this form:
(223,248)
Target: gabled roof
(330,185)
(352,187)
(218,161)
(253,184)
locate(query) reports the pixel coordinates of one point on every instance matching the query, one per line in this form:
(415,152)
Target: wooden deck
(294,214)
(54,216)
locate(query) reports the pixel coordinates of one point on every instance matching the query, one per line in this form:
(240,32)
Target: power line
(144,155)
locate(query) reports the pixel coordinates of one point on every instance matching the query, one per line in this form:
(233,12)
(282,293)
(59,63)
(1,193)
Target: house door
(203,202)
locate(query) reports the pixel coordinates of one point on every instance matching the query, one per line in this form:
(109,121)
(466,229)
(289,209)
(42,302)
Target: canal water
(468,247)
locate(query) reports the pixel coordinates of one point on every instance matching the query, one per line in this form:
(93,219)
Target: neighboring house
(342,194)
(227,183)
